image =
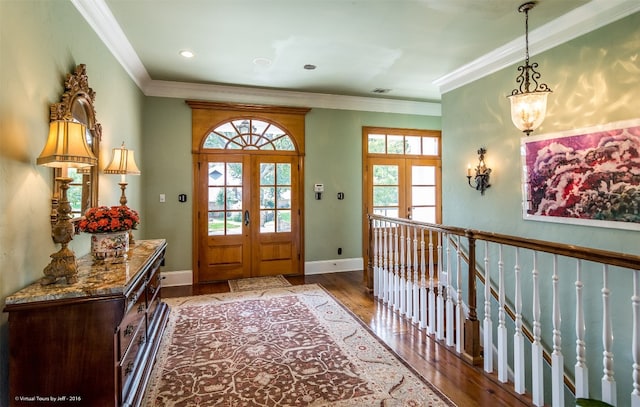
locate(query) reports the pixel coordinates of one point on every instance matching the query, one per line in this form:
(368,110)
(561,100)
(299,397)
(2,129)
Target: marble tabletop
(94,278)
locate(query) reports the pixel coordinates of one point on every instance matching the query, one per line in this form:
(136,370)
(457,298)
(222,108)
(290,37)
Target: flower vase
(107,246)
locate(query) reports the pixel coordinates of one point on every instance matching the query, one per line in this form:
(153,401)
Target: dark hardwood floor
(466,385)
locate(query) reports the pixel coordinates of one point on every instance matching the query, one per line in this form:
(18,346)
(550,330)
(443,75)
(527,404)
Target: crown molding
(99,17)
(238,94)
(103,22)
(577,22)
(589,17)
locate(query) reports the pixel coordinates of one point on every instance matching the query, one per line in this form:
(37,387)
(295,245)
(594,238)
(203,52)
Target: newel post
(471,324)
(368,274)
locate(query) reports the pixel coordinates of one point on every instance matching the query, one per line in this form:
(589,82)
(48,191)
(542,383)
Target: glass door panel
(275,197)
(386,189)
(423,190)
(224,198)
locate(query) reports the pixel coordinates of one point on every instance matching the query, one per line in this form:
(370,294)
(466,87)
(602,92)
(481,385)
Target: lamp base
(123,197)
(63,264)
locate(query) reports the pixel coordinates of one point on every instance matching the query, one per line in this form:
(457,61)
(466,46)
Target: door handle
(409,213)
(246,218)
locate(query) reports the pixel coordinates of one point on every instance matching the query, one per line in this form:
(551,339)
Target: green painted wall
(595,80)
(40,42)
(168,170)
(333,158)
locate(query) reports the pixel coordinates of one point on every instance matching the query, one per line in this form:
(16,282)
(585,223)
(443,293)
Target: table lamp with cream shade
(123,163)
(66,147)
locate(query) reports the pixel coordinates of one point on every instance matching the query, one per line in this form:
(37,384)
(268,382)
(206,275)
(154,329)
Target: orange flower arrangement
(104,219)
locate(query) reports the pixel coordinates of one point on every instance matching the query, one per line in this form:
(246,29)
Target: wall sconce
(66,147)
(122,163)
(481,178)
(529,100)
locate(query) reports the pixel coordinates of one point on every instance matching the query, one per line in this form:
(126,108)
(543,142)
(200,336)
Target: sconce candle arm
(481,178)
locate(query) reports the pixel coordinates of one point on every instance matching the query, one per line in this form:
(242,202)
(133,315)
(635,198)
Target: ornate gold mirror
(77,104)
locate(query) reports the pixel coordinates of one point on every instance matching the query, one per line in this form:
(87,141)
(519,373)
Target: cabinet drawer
(151,310)
(153,286)
(131,361)
(131,323)
(137,295)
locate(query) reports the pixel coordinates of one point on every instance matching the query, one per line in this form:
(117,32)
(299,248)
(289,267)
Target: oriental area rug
(258,283)
(293,346)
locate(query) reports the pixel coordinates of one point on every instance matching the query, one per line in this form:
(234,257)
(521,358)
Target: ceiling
(407,50)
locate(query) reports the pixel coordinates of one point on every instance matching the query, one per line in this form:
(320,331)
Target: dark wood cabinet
(92,343)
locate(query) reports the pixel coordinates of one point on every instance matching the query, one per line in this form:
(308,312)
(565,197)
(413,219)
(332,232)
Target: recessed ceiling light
(309,67)
(187,54)
(260,61)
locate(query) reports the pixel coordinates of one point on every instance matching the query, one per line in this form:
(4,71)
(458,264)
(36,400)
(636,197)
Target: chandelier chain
(527,80)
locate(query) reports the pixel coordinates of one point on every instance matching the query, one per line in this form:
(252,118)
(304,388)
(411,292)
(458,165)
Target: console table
(92,343)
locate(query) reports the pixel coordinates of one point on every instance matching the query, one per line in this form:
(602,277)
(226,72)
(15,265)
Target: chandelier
(529,99)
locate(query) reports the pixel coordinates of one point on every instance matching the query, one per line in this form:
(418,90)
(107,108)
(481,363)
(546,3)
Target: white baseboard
(185,277)
(332,266)
(176,278)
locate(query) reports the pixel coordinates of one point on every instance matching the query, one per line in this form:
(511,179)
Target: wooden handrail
(625,260)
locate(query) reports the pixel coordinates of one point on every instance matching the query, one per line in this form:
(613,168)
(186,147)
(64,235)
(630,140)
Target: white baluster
(440,333)
(423,283)
(557,359)
(410,281)
(536,347)
(502,327)
(459,310)
(396,269)
(581,369)
(488,323)
(385,263)
(635,342)
(518,337)
(416,279)
(608,382)
(450,320)
(380,261)
(431,325)
(376,272)
(537,387)
(403,280)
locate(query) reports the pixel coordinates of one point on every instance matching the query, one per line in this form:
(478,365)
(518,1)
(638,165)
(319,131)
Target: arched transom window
(249,134)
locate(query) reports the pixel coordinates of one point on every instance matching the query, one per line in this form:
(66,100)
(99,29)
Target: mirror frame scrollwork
(77,104)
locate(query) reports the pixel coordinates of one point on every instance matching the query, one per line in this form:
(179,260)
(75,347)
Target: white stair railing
(419,271)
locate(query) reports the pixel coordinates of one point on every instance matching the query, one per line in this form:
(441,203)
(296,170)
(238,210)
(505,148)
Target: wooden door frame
(206,116)
(366,130)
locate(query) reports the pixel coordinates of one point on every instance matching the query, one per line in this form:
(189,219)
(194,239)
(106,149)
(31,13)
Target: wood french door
(248,182)
(249,216)
(404,188)
(402,178)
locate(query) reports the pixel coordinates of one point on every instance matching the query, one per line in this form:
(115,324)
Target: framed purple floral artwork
(588,176)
